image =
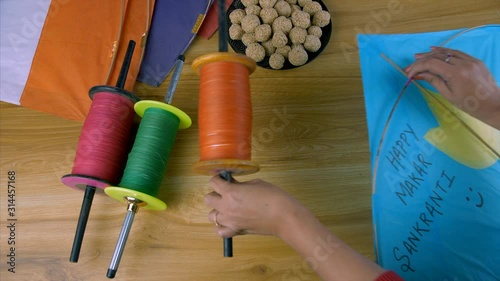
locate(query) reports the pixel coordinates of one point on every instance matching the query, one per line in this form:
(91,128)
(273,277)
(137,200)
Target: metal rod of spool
(174,80)
(132,208)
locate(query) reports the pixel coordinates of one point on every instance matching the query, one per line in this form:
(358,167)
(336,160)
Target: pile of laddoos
(279,29)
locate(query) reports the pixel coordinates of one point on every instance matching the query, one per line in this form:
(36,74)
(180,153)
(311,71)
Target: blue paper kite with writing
(435,169)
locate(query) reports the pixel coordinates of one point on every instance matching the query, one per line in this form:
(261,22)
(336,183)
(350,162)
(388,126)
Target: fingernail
(407,69)
(434,48)
(421,55)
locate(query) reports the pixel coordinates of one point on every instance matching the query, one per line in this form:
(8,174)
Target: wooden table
(309,136)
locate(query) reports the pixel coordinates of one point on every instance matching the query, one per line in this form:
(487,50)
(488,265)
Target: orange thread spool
(225,114)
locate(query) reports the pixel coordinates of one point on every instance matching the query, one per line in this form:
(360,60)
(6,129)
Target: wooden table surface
(309,136)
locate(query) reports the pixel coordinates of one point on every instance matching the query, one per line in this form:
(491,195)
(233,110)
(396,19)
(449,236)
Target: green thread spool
(147,161)
(146,165)
(149,158)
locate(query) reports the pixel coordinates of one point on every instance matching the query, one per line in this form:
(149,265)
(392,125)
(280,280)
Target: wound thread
(147,161)
(102,145)
(225,111)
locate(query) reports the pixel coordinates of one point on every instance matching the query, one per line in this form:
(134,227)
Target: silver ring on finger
(448,58)
(215,220)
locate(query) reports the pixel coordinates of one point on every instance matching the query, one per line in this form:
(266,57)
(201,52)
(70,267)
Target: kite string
(425,91)
(107,127)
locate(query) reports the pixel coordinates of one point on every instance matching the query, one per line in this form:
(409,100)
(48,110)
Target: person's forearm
(330,257)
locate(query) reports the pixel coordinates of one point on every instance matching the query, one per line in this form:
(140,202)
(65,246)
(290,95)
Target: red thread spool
(225,114)
(103,143)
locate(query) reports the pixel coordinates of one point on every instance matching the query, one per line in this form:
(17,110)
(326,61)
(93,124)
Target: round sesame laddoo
(298,35)
(237,15)
(248,38)
(301,19)
(291,2)
(268,15)
(315,30)
(312,8)
(267,3)
(247,3)
(282,24)
(268,47)
(321,18)
(236,32)
(263,32)
(253,10)
(283,8)
(279,39)
(302,3)
(295,8)
(256,52)
(250,22)
(312,43)
(284,50)
(300,46)
(297,56)
(276,61)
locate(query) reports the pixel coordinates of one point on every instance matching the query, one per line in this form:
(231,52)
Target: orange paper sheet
(76,50)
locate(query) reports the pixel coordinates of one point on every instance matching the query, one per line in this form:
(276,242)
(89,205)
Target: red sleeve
(389,276)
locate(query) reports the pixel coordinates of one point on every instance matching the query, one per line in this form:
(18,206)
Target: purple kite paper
(174,26)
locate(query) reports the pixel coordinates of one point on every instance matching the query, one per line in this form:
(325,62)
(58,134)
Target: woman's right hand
(461,79)
(253,207)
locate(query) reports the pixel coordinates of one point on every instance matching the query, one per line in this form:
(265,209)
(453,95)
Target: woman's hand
(259,207)
(253,207)
(461,79)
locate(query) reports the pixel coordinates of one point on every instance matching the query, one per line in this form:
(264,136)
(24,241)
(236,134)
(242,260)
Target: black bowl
(240,48)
